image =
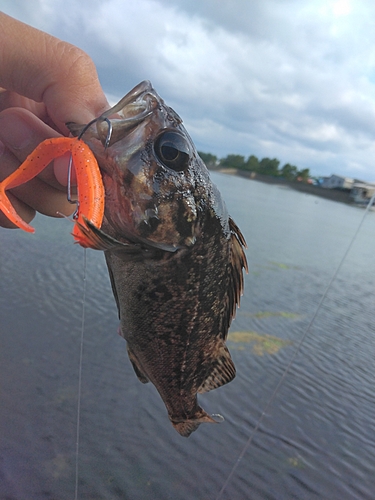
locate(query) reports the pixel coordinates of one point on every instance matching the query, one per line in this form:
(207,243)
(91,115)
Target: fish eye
(172,149)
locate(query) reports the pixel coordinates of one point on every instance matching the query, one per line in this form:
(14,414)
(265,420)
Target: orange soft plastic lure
(89,184)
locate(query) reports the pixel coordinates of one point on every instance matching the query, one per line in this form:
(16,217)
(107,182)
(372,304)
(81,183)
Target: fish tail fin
(186,427)
(9,211)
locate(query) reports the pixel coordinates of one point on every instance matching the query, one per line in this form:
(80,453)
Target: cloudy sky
(291,79)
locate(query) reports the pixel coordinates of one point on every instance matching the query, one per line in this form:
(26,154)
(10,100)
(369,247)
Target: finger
(8,164)
(60,170)
(9,99)
(34,195)
(44,193)
(23,210)
(45,69)
(21,132)
(43,198)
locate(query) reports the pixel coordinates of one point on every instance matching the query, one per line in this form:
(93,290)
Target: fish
(175,257)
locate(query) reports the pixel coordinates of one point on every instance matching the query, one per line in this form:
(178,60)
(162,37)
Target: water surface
(317,439)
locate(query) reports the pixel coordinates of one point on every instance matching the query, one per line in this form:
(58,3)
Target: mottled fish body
(174,256)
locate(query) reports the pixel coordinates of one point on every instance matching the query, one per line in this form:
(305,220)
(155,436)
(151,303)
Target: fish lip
(115,123)
(130,97)
(140,91)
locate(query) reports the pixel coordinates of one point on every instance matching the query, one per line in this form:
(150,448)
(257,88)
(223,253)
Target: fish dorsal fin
(238,263)
(222,367)
(222,371)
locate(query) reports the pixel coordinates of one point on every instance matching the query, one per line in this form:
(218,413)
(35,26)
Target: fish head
(149,166)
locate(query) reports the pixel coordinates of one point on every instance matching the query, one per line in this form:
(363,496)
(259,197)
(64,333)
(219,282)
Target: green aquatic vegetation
(296,462)
(270,314)
(274,265)
(280,265)
(59,466)
(262,343)
(289,315)
(255,273)
(27,361)
(65,394)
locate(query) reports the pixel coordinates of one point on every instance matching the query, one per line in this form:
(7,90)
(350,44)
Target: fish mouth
(115,123)
(122,107)
(129,112)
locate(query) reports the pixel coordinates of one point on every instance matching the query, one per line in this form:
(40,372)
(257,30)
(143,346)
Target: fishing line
(80,370)
(294,355)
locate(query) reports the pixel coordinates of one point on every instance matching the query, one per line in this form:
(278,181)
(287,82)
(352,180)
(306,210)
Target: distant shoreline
(330,194)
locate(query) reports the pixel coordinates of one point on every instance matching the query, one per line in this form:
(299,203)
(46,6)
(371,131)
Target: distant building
(337,182)
(362,192)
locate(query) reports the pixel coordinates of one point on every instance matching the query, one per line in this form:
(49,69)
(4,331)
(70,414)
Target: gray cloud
(286,79)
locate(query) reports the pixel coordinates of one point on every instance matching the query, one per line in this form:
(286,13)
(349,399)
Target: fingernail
(14,132)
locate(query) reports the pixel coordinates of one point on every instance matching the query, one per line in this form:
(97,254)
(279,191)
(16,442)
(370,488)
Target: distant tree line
(265,166)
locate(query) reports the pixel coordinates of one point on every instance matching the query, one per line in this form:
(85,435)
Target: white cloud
(280,78)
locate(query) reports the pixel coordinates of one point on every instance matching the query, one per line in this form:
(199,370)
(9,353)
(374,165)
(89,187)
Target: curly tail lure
(89,183)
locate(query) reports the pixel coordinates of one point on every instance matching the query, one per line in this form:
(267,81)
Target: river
(317,437)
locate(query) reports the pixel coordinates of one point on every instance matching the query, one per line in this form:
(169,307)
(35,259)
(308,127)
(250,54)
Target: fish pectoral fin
(136,365)
(98,240)
(134,246)
(222,371)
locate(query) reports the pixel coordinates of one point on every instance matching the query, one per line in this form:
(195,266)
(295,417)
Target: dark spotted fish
(175,257)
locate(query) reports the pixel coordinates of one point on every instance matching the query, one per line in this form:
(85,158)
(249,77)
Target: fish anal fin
(137,368)
(222,371)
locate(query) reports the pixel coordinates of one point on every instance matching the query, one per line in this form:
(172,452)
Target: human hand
(45,83)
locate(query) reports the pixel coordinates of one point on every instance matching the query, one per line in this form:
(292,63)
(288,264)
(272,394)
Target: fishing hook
(69,189)
(109,132)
